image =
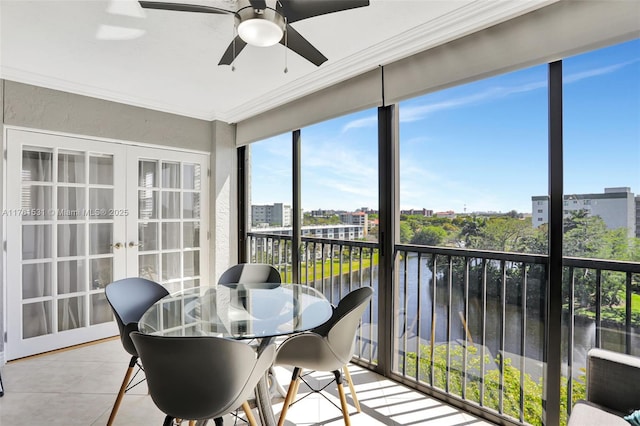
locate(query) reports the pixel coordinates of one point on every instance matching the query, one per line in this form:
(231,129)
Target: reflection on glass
(191,176)
(147,204)
(101,272)
(170,175)
(71,167)
(191,234)
(71,313)
(148,266)
(99,310)
(36,280)
(170,266)
(148,236)
(147,170)
(71,239)
(36,242)
(101,238)
(101,170)
(191,205)
(170,205)
(170,235)
(71,276)
(36,166)
(71,203)
(101,203)
(36,203)
(36,319)
(191,266)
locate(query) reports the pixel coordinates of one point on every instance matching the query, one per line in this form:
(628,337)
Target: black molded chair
(250,273)
(198,378)
(129,299)
(328,347)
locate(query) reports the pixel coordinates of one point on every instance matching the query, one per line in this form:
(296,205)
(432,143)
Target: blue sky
(481,146)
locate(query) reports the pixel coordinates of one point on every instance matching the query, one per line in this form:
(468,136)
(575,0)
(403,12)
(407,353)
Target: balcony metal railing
(470,324)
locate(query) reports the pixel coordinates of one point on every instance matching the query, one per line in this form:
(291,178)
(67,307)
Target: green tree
(429,236)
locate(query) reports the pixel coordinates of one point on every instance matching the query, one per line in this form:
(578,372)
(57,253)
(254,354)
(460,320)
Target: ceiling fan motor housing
(260,27)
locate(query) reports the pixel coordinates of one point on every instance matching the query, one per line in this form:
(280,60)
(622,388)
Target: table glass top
(239,311)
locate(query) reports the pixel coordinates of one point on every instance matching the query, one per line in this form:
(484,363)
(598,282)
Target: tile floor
(78,387)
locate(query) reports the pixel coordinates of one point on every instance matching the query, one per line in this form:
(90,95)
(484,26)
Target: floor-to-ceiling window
(473,166)
(601,205)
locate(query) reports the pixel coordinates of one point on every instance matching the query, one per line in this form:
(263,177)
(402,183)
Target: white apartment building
(616,206)
(276,214)
(336,232)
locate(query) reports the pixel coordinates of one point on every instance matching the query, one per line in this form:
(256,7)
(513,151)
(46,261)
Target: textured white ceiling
(165,60)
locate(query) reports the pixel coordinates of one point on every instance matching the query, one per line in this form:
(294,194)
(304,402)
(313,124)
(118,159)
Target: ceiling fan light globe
(260,32)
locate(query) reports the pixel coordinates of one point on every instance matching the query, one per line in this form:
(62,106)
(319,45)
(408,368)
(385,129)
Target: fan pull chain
(286,46)
(233,61)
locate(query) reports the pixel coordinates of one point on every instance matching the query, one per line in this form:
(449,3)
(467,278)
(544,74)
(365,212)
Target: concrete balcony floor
(78,387)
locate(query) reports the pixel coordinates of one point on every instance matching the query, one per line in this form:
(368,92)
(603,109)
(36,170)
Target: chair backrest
(340,329)
(198,377)
(250,273)
(129,299)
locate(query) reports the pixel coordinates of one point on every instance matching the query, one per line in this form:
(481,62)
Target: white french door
(81,213)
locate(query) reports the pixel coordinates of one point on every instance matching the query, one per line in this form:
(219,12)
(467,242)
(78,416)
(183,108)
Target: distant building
(637,216)
(616,206)
(336,232)
(276,214)
(449,214)
(415,212)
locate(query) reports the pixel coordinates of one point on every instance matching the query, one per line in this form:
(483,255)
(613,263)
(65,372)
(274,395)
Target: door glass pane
(191,176)
(191,205)
(170,236)
(147,171)
(71,313)
(147,204)
(171,175)
(101,203)
(101,170)
(101,272)
(71,167)
(71,240)
(191,234)
(36,280)
(100,238)
(148,266)
(170,266)
(71,276)
(71,203)
(36,203)
(36,242)
(99,310)
(36,166)
(36,319)
(191,263)
(171,205)
(148,236)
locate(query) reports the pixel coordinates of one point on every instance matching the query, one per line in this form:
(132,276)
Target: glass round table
(240,311)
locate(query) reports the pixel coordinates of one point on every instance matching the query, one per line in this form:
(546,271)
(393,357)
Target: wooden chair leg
(249,414)
(291,393)
(123,388)
(343,398)
(351,388)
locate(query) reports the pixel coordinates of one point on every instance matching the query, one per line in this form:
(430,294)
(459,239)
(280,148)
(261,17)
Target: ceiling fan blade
(228,56)
(302,47)
(258,4)
(297,10)
(181,7)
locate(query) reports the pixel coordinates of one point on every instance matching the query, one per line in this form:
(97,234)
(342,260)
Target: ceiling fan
(259,24)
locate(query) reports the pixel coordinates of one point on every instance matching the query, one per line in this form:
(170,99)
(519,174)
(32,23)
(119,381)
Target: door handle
(116,245)
(134,244)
